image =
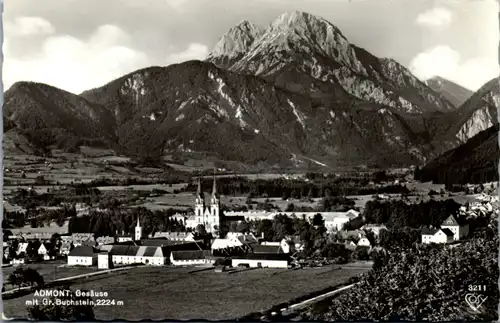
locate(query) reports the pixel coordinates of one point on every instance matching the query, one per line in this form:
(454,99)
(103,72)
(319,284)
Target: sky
(77,45)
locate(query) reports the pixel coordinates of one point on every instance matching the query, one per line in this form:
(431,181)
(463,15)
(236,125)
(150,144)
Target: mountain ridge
(294,94)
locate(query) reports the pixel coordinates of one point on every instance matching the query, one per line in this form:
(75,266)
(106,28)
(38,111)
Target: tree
(32,277)
(200,229)
(82,311)
(16,278)
(423,283)
(243,227)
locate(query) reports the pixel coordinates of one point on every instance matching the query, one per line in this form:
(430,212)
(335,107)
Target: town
(332,233)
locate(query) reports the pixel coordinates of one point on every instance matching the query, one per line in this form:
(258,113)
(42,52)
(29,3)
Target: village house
(133,254)
(22,247)
(460,230)
(283,244)
(195,257)
(175,236)
(219,244)
(47,250)
(264,260)
(364,242)
(83,256)
(435,235)
(105,240)
(104,260)
(66,247)
(83,239)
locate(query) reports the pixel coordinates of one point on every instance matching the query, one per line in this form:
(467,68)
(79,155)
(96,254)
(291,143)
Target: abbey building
(207,215)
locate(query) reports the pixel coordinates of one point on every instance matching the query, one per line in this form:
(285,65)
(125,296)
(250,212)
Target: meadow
(173,293)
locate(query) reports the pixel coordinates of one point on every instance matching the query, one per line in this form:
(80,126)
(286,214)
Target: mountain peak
(299,20)
(237,40)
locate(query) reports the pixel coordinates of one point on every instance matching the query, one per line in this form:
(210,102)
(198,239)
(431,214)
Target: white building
(208,216)
(190,258)
(104,261)
(132,254)
(175,236)
(364,242)
(262,260)
(82,256)
(460,231)
(285,246)
(123,238)
(232,242)
(436,235)
(22,247)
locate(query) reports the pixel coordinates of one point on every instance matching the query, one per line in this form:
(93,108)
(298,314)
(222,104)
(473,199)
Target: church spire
(214,189)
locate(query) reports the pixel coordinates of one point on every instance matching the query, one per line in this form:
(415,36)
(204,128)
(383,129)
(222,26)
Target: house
(434,235)
(123,238)
(460,230)
(285,246)
(175,236)
(45,248)
(104,260)
(195,257)
(375,228)
(82,256)
(66,247)
(17,261)
(105,240)
(264,260)
(267,249)
(364,242)
(133,254)
(22,247)
(219,244)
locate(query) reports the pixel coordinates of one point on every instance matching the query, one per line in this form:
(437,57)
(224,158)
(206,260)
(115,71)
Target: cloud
(445,62)
(28,26)
(73,64)
(194,51)
(436,17)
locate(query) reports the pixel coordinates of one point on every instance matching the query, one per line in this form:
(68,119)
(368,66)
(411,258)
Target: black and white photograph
(250,160)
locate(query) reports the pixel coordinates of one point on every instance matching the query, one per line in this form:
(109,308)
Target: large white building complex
(208,216)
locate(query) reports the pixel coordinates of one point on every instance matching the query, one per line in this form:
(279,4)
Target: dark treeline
(285,188)
(398,214)
(30,199)
(109,222)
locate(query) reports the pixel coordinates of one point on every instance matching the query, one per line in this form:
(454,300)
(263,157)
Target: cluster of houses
(180,249)
(449,231)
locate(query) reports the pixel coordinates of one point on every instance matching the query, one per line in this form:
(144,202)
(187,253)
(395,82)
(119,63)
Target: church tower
(199,205)
(138,231)
(214,208)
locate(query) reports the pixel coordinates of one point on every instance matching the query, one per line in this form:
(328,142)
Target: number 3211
(477,288)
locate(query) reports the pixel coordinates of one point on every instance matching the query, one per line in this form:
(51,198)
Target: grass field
(173,293)
(50,270)
(52,228)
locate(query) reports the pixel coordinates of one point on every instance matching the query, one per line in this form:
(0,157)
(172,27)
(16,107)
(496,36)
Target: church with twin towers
(207,215)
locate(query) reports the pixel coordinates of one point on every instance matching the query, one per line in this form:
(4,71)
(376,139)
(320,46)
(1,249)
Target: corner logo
(475,301)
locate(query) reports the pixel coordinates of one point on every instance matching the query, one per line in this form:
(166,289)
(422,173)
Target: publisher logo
(475,301)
